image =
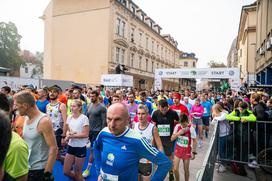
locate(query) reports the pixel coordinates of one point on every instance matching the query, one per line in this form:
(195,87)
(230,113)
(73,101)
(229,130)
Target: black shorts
(145,169)
(206,120)
(92,136)
(79,152)
(58,134)
(168,148)
(35,175)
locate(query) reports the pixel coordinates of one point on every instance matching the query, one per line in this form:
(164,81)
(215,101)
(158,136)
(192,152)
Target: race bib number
(108,177)
(164,130)
(183,141)
(205,110)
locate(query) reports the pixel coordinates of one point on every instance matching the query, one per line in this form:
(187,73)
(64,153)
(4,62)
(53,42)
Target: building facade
(187,60)
(232,59)
(264,42)
(85,39)
(246,42)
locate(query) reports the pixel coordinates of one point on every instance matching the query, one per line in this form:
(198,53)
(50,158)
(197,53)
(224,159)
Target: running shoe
(86,173)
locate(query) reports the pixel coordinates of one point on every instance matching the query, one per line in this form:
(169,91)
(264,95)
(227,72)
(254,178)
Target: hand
(193,156)
(243,120)
(99,178)
(63,141)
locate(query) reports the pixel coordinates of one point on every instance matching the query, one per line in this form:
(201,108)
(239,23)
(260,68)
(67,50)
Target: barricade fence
(207,168)
(244,142)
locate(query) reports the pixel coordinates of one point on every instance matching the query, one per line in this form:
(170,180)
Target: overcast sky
(205,27)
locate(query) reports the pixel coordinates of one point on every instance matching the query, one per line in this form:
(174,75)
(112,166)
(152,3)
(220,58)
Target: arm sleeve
(85,121)
(232,117)
(97,148)
(155,156)
(251,117)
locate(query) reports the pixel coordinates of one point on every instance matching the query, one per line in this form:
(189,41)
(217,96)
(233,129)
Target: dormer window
(142,16)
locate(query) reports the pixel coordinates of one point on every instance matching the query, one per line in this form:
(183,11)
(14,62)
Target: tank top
(184,141)
(147,133)
(53,111)
(37,147)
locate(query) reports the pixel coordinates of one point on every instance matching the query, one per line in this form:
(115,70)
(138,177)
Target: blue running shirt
(117,157)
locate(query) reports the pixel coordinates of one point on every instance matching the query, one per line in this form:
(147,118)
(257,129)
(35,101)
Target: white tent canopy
(120,80)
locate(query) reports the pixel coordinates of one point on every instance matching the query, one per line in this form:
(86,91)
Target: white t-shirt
(192,131)
(76,125)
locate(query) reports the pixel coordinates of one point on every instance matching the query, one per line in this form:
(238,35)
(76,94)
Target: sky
(205,27)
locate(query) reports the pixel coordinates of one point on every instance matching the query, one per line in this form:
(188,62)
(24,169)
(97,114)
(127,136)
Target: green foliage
(214,64)
(9,46)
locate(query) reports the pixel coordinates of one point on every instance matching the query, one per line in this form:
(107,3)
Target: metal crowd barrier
(207,168)
(246,142)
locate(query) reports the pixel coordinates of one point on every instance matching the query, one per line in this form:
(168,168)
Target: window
(26,70)
(118,24)
(122,56)
(158,48)
(117,54)
(152,67)
(132,35)
(132,60)
(161,51)
(133,9)
(140,38)
(152,48)
(146,64)
(193,64)
(140,62)
(120,27)
(142,16)
(146,43)
(185,64)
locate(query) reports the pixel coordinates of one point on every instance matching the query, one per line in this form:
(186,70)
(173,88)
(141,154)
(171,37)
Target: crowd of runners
(131,134)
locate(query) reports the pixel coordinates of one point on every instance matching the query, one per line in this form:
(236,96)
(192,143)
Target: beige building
(187,60)
(246,42)
(264,42)
(232,59)
(87,38)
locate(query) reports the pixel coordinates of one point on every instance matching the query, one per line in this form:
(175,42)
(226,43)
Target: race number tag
(205,110)
(164,130)
(183,141)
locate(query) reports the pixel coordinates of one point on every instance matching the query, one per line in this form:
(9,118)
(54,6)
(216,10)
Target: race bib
(183,141)
(205,110)
(164,130)
(108,177)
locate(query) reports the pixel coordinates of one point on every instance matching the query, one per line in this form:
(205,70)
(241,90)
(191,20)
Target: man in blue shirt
(118,149)
(42,102)
(146,102)
(206,114)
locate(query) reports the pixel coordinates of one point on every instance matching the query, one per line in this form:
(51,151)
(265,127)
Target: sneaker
(200,143)
(253,164)
(171,176)
(221,168)
(86,173)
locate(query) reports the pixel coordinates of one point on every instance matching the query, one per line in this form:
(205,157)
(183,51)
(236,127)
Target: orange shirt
(63,99)
(19,124)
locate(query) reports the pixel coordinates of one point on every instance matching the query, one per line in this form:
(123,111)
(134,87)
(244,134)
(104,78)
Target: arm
(104,117)
(83,134)
(176,134)
(149,152)
(63,111)
(251,118)
(157,139)
(97,148)
(194,148)
(232,117)
(46,129)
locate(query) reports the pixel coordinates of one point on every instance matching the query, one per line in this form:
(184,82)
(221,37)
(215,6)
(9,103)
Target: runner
(77,135)
(132,107)
(165,118)
(118,149)
(57,114)
(97,120)
(206,114)
(42,101)
(184,133)
(178,107)
(39,136)
(150,133)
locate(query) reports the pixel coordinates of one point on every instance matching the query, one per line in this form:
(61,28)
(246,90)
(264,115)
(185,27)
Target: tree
(214,64)
(9,46)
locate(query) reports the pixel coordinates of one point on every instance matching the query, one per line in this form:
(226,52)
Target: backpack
(238,169)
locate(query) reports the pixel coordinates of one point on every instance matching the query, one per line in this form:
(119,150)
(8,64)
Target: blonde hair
(217,108)
(78,103)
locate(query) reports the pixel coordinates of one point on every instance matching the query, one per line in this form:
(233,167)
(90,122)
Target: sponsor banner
(117,80)
(223,73)
(15,83)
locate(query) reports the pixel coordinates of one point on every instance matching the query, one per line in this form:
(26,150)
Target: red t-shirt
(180,109)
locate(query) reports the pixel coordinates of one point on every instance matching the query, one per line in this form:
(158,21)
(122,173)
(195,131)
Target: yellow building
(87,38)
(246,42)
(264,42)
(187,60)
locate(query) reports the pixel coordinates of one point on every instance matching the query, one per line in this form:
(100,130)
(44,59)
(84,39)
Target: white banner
(15,83)
(117,80)
(197,73)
